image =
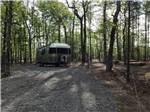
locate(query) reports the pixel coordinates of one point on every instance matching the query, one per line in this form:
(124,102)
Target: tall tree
(85,5)
(124,35)
(128,50)
(145,47)
(109,63)
(7,37)
(118,45)
(72,41)
(137,8)
(104,32)
(28,20)
(57,15)
(82,18)
(90,31)
(147,15)
(138,37)
(132,29)
(65,32)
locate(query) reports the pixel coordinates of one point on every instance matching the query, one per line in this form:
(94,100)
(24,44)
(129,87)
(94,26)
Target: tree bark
(7,38)
(30,37)
(148,35)
(133,33)
(59,32)
(124,39)
(46,33)
(118,46)
(104,32)
(85,35)
(81,37)
(72,41)
(128,50)
(109,64)
(30,47)
(145,47)
(138,39)
(65,32)
(25,49)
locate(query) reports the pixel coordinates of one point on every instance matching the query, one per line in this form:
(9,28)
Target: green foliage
(54,9)
(147,7)
(42,21)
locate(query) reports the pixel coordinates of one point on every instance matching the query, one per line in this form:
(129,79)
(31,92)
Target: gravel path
(49,89)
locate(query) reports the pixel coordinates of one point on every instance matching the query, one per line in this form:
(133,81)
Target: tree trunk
(104,32)
(7,38)
(85,37)
(20,49)
(72,41)
(118,47)
(30,37)
(65,32)
(124,39)
(4,52)
(90,45)
(81,37)
(24,45)
(59,32)
(148,41)
(46,33)
(138,39)
(30,47)
(145,47)
(15,48)
(128,50)
(109,64)
(133,36)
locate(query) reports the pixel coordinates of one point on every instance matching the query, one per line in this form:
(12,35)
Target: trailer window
(69,51)
(43,52)
(52,50)
(62,50)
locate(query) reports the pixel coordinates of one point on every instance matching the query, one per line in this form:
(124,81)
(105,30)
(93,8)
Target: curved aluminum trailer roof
(59,45)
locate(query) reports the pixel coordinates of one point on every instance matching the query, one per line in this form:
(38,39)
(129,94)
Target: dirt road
(54,89)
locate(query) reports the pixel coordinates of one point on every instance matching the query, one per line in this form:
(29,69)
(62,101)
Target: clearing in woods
(55,89)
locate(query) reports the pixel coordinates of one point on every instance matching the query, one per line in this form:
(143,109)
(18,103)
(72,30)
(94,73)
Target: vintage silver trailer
(55,53)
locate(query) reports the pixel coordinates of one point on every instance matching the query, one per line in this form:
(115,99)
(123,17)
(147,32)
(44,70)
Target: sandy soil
(131,97)
(55,89)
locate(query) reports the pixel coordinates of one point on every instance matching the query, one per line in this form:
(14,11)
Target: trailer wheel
(57,64)
(41,64)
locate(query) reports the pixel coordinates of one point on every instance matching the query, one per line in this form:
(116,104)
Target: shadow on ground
(55,90)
